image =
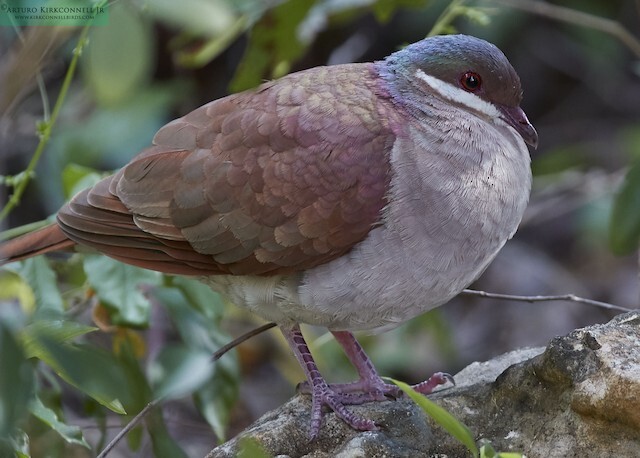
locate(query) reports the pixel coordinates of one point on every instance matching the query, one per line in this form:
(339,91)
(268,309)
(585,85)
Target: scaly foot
(376,389)
(370,386)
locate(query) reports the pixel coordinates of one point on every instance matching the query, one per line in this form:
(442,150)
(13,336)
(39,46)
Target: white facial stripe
(458,95)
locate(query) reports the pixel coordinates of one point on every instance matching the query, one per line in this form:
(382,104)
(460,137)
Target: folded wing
(270,181)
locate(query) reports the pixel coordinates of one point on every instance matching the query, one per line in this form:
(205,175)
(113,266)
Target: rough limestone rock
(579,397)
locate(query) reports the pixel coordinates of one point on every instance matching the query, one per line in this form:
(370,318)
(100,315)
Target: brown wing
(275,180)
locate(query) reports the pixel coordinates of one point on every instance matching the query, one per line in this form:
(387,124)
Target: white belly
(447,218)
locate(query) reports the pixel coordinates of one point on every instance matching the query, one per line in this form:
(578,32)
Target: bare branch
(128,427)
(560,13)
(561,297)
(238,340)
(216,356)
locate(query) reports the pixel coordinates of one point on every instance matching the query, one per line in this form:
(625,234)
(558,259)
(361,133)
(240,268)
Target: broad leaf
(13,286)
(196,312)
(119,55)
(90,369)
(76,177)
(178,371)
(197,324)
(119,286)
(57,330)
(274,45)
(384,9)
(71,434)
(37,272)
(21,445)
(216,398)
(200,296)
(201,17)
(163,444)
(16,382)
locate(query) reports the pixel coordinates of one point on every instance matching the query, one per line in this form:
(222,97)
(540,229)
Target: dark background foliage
(158,60)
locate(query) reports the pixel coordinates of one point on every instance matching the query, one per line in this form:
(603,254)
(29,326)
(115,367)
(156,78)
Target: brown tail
(49,238)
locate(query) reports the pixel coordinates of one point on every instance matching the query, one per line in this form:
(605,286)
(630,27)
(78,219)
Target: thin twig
(560,297)
(446,18)
(560,13)
(238,340)
(47,126)
(44,130)
(216,356)
(39,79)
(128,427)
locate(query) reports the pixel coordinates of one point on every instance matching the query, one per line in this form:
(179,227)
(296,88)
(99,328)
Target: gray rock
(579,397)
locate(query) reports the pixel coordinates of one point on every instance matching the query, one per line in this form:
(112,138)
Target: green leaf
(37,272)
(57,330)
(558,160)
(16,382)
(20,442)
(71,434)
(138,390)
(76,177)
(178,371)
(274,41)
(480,16)
(118,287)
(200,297)
(109,135)
(487,451)
(200,17)
(441,416)
(384,9)
(12,286)
(630,139)
(216,399)
(249,447)
(163,445)
(624,227)
(90,369)
(134,438)
(196,311)
(118,59)
(204,53)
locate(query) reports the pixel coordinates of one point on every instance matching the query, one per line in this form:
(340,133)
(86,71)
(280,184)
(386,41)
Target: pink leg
(321,392)
(370,386)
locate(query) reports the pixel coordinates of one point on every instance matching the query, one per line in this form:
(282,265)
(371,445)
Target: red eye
(470,81)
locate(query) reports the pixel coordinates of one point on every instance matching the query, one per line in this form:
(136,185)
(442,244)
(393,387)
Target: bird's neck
(397,80)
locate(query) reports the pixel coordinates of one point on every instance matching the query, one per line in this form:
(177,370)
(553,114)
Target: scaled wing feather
(270,181)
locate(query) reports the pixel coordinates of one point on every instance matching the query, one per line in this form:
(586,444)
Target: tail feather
(49,238)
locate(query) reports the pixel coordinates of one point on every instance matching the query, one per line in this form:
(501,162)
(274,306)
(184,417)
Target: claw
(437,379)
(370,387)
(448,378)
(321,393)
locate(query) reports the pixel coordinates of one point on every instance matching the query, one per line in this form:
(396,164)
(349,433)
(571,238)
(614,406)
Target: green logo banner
(52,13)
